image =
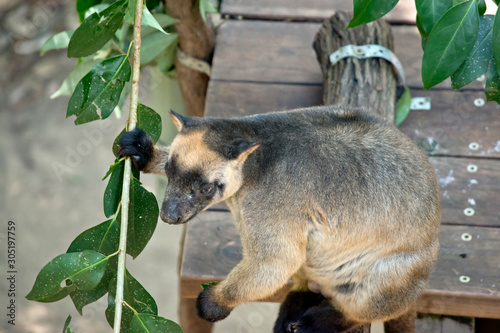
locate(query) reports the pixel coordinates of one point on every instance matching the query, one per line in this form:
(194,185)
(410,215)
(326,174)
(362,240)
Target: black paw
(138,145)
(323,318)
(307,324)
(293,308)
(208,309)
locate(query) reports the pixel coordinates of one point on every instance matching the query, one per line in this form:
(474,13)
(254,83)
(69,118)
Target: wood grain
(236,99)
(443,324)
(446,130)
(461,190)
(364,83)
(212,249)
(308,10)
(453,123)
(273,52)
(189,320)
(258,51)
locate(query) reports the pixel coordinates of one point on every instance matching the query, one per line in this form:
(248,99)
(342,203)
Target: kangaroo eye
(207,189)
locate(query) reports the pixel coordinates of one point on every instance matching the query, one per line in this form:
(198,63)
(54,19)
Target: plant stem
(132,120)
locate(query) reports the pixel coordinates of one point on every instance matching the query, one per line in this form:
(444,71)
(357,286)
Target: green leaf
(492,83)
(479,58)
(403,107)
(124,97)
(102,238)
(130,12)
(66,328)
(143,218)
(450,42)
(148,323)
(370,10)
(96,30)
(83,5)
(496,37)
(153,4)
(165,20)
(166,60)
(150,121)
(430,11)
(149,20)
(136,296)
(111,168)
(56,42)
(84,270)
(70,82)
(424,36)
(206,6)
(97,94)
(205,285)
(154,44)
(113,192)
(115,145)
(83,298)
(481,7)
(96,9)
(143,209)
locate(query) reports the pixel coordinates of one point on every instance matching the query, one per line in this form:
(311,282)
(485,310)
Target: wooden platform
(264,62)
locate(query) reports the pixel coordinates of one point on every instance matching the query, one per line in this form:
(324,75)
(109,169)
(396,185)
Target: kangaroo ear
(180,122)
(240,149)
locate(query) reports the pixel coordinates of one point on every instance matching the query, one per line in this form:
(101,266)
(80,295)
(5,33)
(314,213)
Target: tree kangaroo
(333,197)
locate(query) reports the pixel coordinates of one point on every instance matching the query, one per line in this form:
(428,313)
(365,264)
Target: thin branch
(117,47)
(132,120)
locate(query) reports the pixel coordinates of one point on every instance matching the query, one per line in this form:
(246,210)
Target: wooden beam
(365,83)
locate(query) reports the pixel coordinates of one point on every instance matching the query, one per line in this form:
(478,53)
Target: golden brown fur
(334,197)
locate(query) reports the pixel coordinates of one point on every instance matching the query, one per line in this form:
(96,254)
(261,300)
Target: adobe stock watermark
(74,155)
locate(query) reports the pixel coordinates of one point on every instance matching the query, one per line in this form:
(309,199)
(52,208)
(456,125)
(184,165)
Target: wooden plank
(236,99)
(444,324)
(452,124)
(212,248)
(260,51)
(272,52)
(307,10)
(463,190)
(476,259)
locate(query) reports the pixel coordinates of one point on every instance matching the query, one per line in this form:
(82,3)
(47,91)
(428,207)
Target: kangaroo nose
(170,212)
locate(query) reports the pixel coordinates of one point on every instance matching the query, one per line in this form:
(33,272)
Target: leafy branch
(458,39)
(132,121)
(95,262)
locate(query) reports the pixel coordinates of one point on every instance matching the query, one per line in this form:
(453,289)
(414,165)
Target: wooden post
(366,83)
(196,39)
